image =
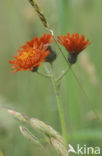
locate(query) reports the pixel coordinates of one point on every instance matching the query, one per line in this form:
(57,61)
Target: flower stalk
(64,72)
(60,107)
(43,74)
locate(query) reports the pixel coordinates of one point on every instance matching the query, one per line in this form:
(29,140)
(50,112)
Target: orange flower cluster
(32,54)
(38,50)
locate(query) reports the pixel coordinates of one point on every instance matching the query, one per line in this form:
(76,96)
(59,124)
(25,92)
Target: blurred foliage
(32,94)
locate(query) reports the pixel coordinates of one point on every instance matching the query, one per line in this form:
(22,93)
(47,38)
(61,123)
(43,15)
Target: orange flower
(46,39)
(32,54)
(74,45)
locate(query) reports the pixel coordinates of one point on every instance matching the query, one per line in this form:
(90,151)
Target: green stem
(43,74)
(60,108)
(64,72)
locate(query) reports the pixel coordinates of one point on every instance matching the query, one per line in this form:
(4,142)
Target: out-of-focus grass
(32,94)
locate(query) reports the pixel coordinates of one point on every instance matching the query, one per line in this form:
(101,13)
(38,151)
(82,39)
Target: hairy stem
(60,108)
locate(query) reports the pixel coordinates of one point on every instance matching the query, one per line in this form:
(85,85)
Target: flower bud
(51,56)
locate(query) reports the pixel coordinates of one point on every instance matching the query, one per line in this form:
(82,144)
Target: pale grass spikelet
(27,134)
(18,116)
(59,147)
(53,136)
(46,129)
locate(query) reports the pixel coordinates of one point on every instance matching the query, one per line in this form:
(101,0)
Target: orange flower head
(74,45)
(31,54)
(46,39)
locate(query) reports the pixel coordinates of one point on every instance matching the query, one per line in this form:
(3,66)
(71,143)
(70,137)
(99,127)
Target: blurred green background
(32,94)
